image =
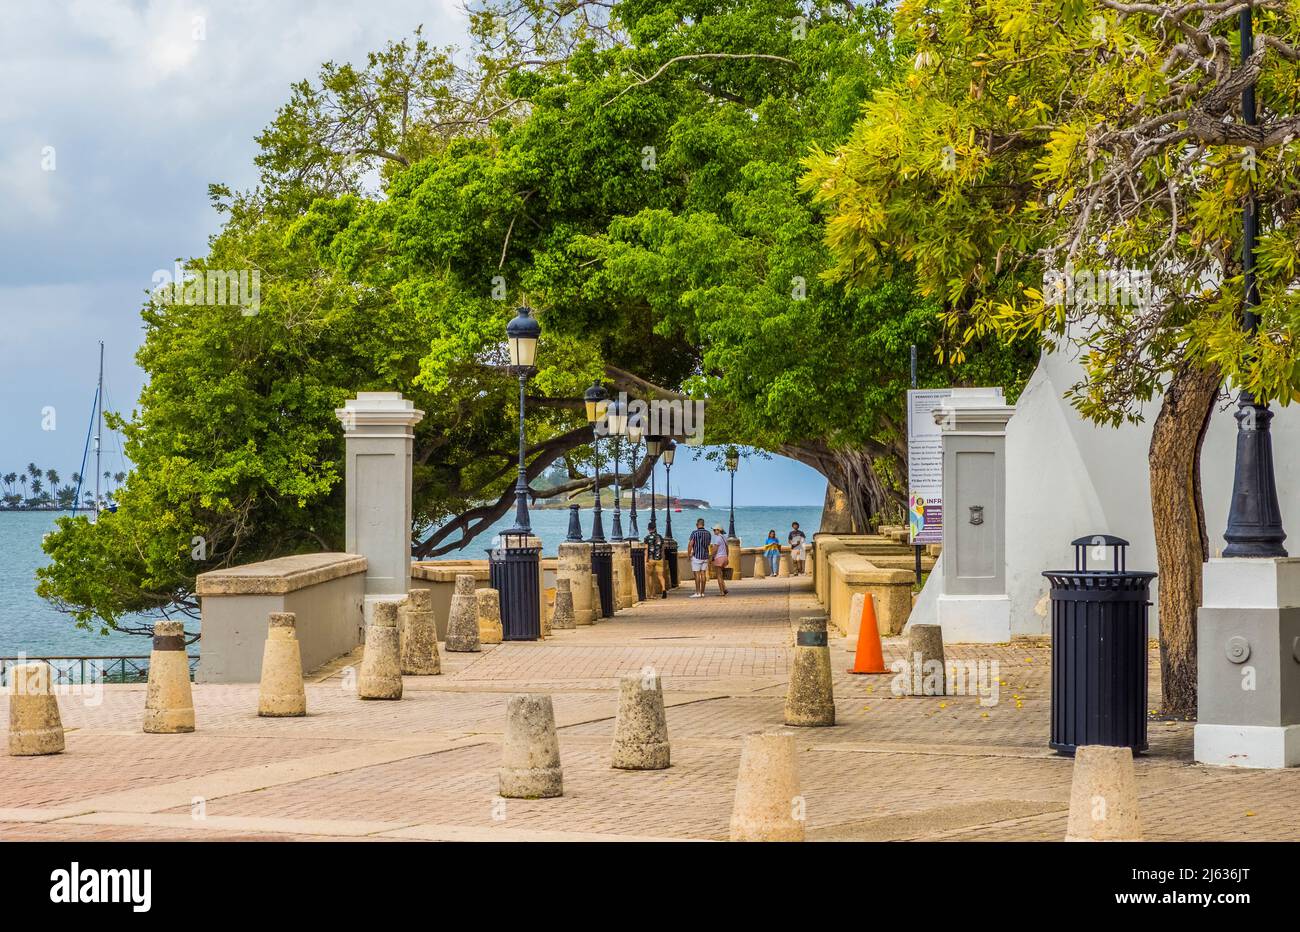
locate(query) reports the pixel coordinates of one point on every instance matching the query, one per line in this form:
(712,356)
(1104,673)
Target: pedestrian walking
(698,547)
(718,550)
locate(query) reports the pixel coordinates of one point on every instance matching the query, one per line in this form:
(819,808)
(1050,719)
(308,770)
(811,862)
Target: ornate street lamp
(514,569)
(733,463)
(634,434)
(616,417)
(596,400)
(670,543)
(653,447)
(1255,518)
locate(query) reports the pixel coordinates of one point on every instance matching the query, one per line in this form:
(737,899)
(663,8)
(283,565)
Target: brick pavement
(425,767)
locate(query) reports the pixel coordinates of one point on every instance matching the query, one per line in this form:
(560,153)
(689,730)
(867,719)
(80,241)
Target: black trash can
(638,572)
(513,573)
(602,567)
(1099,651)
(670,554)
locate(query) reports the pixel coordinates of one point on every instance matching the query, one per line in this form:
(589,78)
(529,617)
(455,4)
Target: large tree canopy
(634,178)
(1040,153)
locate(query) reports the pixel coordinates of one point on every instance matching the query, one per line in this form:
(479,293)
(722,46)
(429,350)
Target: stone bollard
(530,760)
(641,729)
(544,616)
(621,575)
(418,630)
(563,618)
(809,699)
(760,565)
(381,661)
(595,600)
(462,620)
(627,576)
(733,558)
(34,724)
(769,805)
(488,613)
(925,654)
(169,700)
(281,693)
(1103,796)
(574,565)
(785,565)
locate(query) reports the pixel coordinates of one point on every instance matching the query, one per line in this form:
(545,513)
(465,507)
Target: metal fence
(76,671)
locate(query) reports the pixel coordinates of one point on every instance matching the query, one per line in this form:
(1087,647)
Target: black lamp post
(514,569)
(733,463)
(616,417)
(670,543)
(602,564)
(596,400)
(653,447)
(634,434)
(1255,518)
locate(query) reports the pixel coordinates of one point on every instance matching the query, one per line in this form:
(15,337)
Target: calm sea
(30,625)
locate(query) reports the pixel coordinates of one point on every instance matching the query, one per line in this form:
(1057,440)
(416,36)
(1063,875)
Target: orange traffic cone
(869,658)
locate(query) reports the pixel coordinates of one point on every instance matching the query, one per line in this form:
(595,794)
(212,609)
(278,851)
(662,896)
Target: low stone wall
(849,573)
(325,590)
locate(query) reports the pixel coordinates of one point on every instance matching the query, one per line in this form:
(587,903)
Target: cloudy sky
(116,116)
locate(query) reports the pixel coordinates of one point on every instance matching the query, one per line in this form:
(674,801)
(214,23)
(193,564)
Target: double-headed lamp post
(634,433)
(616,417)
(596,400)
(654,446)
(669,450)
(733,463)
(514,570)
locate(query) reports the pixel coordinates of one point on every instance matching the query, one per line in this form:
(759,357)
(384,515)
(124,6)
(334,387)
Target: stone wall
(325,590)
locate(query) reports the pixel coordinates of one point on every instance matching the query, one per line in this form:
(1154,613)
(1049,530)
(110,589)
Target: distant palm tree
(38,488)
(76,478)
(10,479)
(119,477)
(33,470)
(52,476)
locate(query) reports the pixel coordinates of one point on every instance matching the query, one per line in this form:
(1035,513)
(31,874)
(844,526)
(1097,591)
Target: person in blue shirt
(772,553)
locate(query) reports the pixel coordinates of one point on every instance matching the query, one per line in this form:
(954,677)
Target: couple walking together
(707,550)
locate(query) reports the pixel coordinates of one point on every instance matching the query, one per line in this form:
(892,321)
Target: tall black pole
(668,505)
(522,525)
(652,494)
(632,511)
(916,548)
(731,520)
(1255,518)
(616,532)
(597,526)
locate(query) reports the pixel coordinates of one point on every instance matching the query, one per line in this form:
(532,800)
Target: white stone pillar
(974,605)
(1248,663)
(379,428)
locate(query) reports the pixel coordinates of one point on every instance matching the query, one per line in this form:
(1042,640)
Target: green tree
(1043,144)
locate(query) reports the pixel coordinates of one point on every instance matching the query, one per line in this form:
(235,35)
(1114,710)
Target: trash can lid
(1099,540)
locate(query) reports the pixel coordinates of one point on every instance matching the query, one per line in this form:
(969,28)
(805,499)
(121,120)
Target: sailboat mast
(99,425)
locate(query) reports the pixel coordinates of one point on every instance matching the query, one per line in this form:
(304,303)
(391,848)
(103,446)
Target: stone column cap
(378,409)
(974,411)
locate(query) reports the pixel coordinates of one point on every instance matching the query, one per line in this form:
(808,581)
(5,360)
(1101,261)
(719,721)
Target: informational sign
(925,465)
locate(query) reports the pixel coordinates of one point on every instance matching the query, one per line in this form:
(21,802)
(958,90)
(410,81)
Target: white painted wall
(1067,478)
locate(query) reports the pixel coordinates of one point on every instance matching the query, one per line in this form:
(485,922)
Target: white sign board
(925,465)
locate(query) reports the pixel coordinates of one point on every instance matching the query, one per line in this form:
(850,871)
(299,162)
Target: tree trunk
(836,517)
(865,496)
(1178,516)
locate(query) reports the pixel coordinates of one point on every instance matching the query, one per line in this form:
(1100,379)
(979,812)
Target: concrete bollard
(809,699)
(574,564)
(169,700)
(381,661)
(462,619)
(563,619)
(34,724)
(769,804)
(488,608)
(419,635)
(620,578)
(760,565)
(641,729)
(653,584)
(281,693)
(1103,796)
(530,759)
(625,579)
(733,558)
(925,654)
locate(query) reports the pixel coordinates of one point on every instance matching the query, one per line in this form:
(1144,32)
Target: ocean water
(30,625)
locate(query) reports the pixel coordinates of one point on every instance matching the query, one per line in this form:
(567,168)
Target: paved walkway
(425,767)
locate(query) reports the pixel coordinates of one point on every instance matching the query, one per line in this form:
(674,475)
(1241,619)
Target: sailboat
(97,428)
